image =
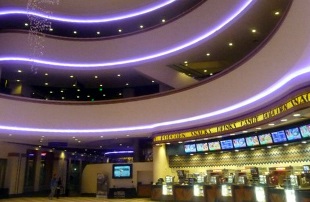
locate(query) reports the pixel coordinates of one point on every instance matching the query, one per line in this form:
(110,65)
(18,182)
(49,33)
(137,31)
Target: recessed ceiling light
(253,30)
(98,33)
(71,76)
(62,98)
(283,120)
(103,95)
(18,80)
(296,115)
(51,29)
(205,71)
(61,91)
(77,96)
(118,75)
(185,62)
(127,84)
(271,124)
(163,20)
(258,128)
(26,24)
(51,92)
(96,77)
(141,26)
(74,32)
(46,84)
(168,143)
(268,147)
(245,131)
(180,142)
(46,74)
(230,44)
(88,95)
(120,94)
(74,85)
(120,30)
(211,74)
(285,145)
(277,13)
(19,71)
(304,142)
(208,54)
(236,150)
(153,81)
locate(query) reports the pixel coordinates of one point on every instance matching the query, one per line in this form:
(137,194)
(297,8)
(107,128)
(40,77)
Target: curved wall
(209,14)
(285,53)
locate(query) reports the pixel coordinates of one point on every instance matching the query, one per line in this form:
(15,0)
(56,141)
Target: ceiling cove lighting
(281,83)
(137,12)
(60,65)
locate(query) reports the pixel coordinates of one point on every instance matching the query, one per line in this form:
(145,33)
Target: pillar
(160,163)
(15,173)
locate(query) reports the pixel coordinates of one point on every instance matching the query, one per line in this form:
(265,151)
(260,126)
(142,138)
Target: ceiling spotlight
(118,75)
(141,26)
(208,54)
(119,30)
(74,32)
(296,115)
(230,44)
(277,13)
(253,30)
(163,20)
(283,120)
(51,29)
(26,24)
(98,33)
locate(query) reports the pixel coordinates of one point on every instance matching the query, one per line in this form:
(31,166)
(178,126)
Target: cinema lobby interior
(155,100)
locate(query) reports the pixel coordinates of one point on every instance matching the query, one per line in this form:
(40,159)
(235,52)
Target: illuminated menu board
(265,139)
(252,141)
(189,148)
(202,147)
(279,136)
(213,146)
(227,144)
(293,134)
(305,131)
(239,142)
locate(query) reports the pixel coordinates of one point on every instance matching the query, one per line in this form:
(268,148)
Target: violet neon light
(281,83)
(135,13)
(119,152)
(105,65)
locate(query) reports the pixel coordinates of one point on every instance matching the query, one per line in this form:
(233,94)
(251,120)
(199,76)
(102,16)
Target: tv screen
(190,148)
(122,171)
(252,141)
(305,131)
(227,144)
(293,134)
(265,139)
(306,168)
(214,146)
(239,142)
(202,147)
(279,136)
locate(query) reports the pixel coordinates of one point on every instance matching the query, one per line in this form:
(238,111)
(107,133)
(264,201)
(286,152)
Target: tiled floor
(72,199)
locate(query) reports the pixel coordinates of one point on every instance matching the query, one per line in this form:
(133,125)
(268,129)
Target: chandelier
(38,26)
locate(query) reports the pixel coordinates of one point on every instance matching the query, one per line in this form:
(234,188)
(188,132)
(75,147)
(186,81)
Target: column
(160,162)
(15,173)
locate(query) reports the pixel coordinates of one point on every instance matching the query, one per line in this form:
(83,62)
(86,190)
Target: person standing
(59,186)
(53,187)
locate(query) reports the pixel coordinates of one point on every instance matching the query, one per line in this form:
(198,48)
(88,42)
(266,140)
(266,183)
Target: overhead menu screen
(213,146)
(293,134)
(202,147)
(305,131)
(279,136)
(265,139)
(252,141)
(227,144)
(189,148)
(239,142)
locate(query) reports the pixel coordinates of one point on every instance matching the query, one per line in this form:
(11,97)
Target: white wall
(89,176)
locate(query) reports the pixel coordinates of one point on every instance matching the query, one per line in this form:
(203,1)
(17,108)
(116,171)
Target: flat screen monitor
(305,131)
(306,168)
(213,146)
(190,148)
(239,142)
(227,144)
(278,136)
(252,141)
(122,171)
(293,134)
(202,147)
(265,139)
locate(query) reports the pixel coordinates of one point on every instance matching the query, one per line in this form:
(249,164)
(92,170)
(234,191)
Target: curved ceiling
(189,47)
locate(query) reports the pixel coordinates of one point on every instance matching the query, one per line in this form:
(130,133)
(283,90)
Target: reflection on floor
(72,199)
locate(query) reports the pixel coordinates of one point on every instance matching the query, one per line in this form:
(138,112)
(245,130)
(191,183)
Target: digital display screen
(122,171)
(227,144)
(306,168)
(252,141)
(239,142)
(189,148)
(201,147)
(305,131)
(279,136)
(214,146)
(265,139)
(293,134)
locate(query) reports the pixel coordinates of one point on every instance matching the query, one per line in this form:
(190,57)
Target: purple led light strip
(105,65)
(281,83)
(119,152)
(91,20)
